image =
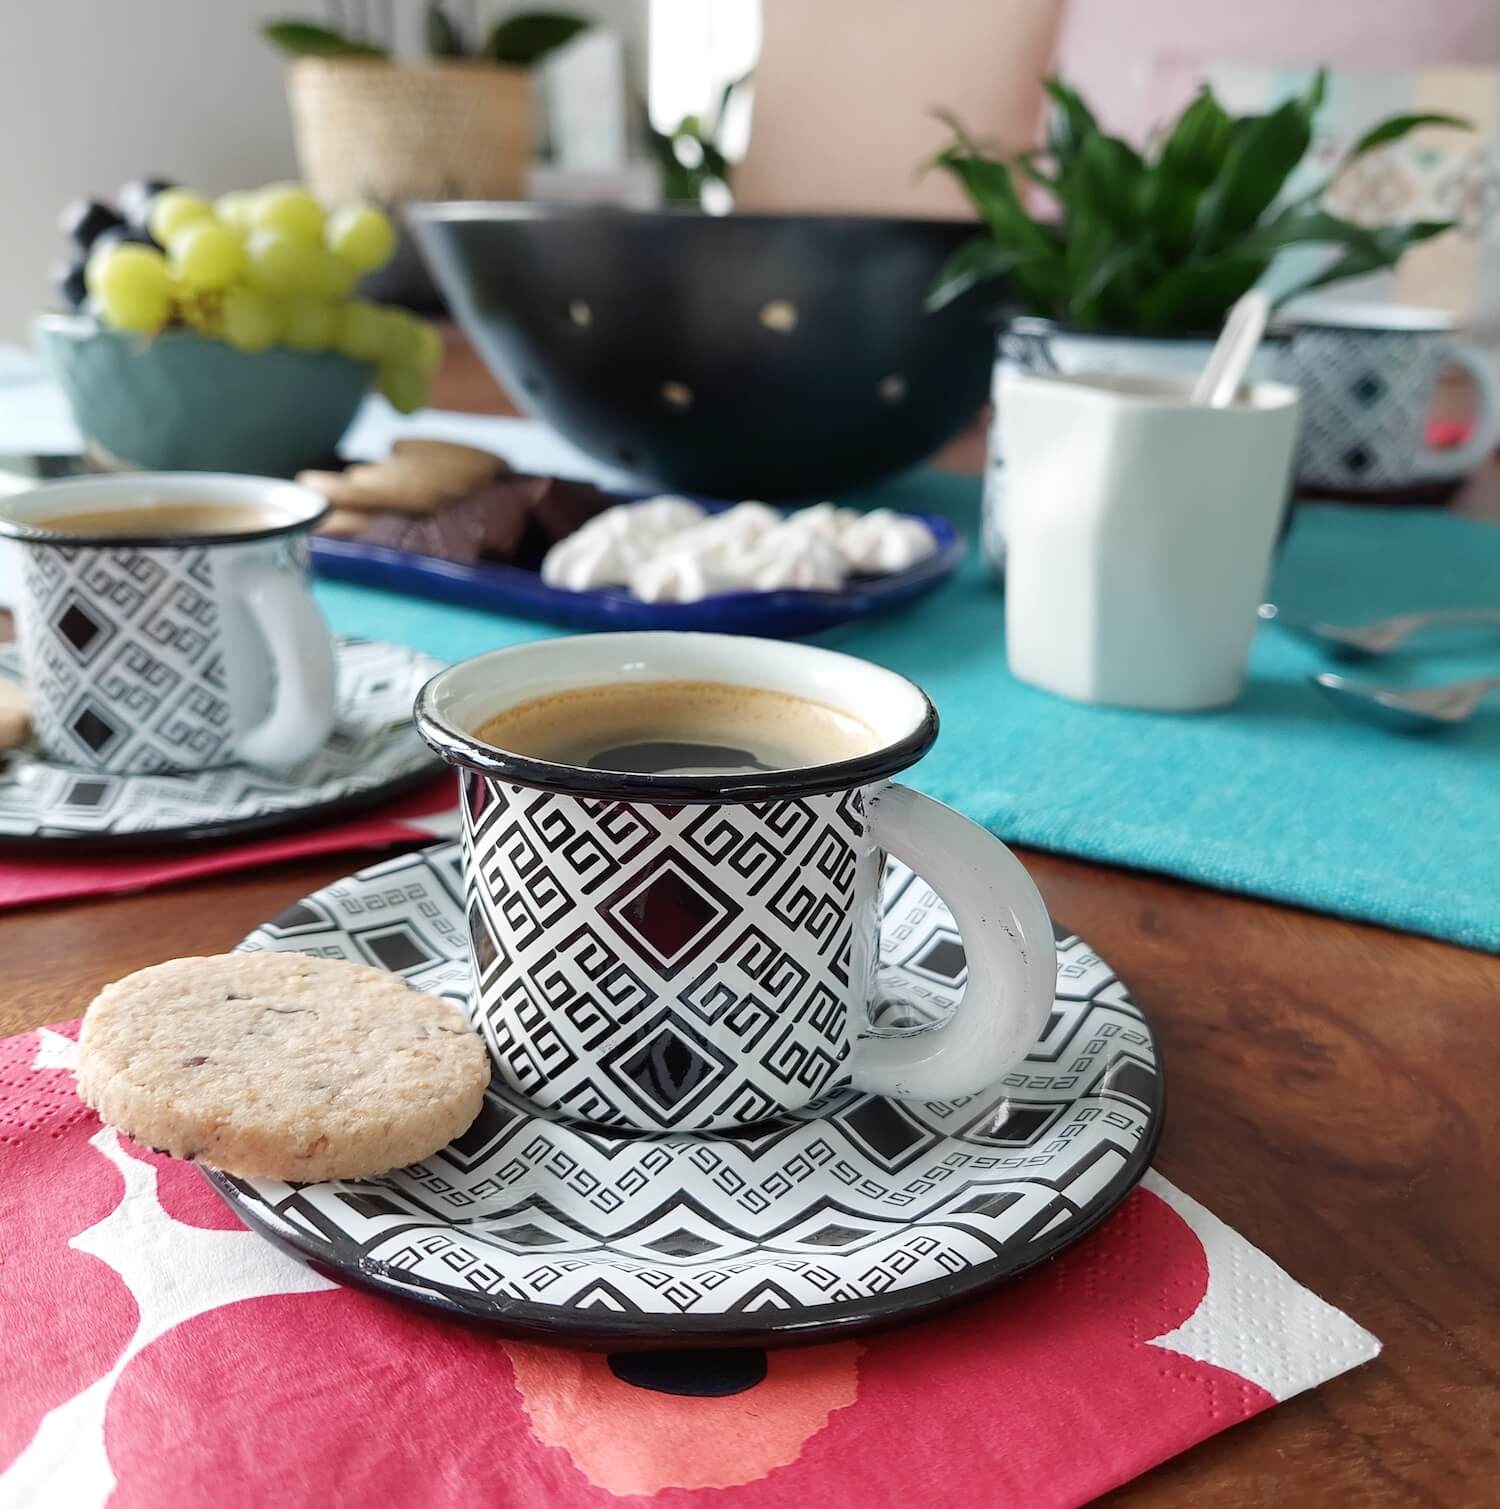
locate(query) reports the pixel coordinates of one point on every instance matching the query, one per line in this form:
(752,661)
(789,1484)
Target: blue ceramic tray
(510,589)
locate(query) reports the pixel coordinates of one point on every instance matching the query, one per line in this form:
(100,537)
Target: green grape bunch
(255,269)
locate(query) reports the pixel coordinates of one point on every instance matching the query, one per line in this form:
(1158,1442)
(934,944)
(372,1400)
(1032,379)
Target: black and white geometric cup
(161,654)
(1369,374)
(674,953)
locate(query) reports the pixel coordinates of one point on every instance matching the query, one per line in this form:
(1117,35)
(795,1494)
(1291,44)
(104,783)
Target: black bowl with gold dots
(742,356)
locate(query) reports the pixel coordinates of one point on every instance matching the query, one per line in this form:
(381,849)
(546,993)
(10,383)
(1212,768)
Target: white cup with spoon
(1141,517)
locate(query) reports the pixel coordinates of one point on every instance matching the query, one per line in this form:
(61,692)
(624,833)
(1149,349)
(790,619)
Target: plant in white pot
(455,125)
(1131,261)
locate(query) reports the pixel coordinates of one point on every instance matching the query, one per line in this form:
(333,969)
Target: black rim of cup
(461,748)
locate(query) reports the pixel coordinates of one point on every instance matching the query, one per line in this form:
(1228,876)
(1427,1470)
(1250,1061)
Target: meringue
(669,549)
(679,576)
(583,561)
(881,542)
(792,555)
(827,520)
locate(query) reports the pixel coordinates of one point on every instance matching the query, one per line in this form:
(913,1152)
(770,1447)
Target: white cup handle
(1458,460)
(1008,941)
(302,712)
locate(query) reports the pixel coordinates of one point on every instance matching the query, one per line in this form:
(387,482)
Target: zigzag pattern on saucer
(860,1209)
(373,745)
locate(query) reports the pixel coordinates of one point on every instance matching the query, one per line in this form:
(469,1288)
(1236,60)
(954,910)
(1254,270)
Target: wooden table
(1335,1095)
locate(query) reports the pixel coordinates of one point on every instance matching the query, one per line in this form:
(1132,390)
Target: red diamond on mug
(670,911)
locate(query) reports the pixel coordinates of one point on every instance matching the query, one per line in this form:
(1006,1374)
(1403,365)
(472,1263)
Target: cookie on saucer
(280,1066)
(15,715)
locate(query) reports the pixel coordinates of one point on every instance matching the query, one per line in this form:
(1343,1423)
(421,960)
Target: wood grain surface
(1334,1094)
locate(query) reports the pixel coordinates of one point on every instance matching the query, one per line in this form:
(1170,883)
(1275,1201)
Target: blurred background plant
(690,158)
(520,40)
(1162,243)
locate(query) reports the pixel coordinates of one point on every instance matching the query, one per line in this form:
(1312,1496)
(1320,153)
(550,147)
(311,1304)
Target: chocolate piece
(505,520)
(454,532)
(561,507)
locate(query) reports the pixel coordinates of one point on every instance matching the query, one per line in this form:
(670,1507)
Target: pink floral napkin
(153,1351)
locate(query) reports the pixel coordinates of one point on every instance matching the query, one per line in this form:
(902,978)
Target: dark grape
(67,279)
(85,219)
(119,233)
(136,196)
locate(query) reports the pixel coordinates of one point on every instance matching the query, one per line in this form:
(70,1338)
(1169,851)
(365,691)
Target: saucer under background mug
(672,952)
(143,653)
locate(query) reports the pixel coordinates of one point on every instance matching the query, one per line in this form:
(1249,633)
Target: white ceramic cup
(149,653)
(665,953)
(1139,530)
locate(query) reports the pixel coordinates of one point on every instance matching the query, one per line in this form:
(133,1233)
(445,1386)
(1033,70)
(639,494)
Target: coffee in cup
(165,519)
(679,728)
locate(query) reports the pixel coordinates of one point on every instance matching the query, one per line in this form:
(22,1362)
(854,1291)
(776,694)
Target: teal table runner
(1279,796)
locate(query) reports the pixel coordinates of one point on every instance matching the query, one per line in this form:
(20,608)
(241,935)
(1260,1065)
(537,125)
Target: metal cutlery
(1360,641)
(1409,710)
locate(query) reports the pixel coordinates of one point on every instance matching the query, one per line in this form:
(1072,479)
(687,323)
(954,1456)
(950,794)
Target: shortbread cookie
(342,523)
(280,1066)
(15,714)
(449,459)
(378,485)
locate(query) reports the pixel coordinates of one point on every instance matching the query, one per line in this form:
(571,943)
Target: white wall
(96,92)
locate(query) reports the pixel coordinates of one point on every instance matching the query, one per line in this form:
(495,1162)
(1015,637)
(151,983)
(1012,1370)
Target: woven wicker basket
(368,129)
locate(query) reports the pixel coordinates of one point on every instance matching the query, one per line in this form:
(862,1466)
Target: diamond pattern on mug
(665,1068)
(672,929)
(93,729)
(85,633)
(1368,388)
(133,625)
(670,910)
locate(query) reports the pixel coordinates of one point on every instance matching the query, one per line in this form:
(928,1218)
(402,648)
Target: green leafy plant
(689,158)
(1165,244)
(518,41)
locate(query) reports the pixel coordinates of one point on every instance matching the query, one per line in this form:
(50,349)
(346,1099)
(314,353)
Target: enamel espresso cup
(146,652)
(671,953)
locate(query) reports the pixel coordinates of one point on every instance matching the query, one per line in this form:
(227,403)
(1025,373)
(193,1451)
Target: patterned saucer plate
(373,754)
(860,1212)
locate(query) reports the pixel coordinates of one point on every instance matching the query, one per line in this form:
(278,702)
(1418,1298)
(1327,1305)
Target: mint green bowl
(181,402)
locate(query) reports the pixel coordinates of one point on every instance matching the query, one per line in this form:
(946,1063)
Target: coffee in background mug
(165,621)
(1369,375)
(673,847)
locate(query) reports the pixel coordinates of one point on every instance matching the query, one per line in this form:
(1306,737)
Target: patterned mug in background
(1369,374)
(149,653)
(675,953)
